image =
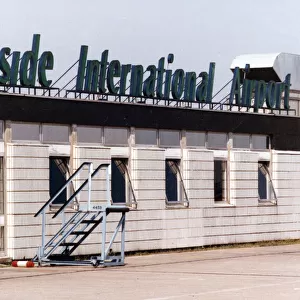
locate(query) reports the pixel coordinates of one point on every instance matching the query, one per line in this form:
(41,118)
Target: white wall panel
(155,225)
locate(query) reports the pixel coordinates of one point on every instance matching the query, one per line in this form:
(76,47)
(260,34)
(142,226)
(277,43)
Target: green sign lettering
(160,82)
(4,65)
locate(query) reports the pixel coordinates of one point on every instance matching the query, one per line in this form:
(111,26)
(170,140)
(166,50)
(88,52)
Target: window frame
(130,198)
(69,189)
(225,188)
(182,197)
(271,196)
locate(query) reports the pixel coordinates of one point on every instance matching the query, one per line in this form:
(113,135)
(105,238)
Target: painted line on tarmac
(210,258)
(207,273)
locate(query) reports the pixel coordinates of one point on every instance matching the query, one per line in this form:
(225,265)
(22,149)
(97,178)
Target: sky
(197,32)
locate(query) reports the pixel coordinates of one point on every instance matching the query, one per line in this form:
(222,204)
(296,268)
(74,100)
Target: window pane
(89,134)
(116,136)
(57,178)
(219,180)
(263,188)
(217,140)
(25,132)
(260,142)
(194,139)
(145,137)
(118,184)
(171,181)
(241,141)
(169,138)
(262,185)
(55,133)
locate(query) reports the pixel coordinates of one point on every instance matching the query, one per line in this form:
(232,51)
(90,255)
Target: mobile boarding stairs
(79,220)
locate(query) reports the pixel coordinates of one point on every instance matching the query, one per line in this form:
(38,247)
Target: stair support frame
(73,222)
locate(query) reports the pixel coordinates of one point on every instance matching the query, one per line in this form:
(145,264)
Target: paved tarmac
(241,273)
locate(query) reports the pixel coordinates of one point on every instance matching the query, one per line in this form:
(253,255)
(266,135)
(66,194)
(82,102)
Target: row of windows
(199,139)
(265,191)
(144,137)
(174,186)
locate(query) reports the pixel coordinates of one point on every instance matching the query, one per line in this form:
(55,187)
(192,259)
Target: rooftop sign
(154,81)
(24,69)
(264,93)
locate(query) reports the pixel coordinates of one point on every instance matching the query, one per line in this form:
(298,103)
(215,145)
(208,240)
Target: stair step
(90,221)
(61,257)
(68,244)
(78,232)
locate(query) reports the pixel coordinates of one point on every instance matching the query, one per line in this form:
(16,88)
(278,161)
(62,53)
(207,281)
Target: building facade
(199,177)
(193,172)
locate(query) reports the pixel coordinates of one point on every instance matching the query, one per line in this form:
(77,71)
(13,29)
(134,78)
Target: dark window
(118,180)
(172,167)
(219,180)
(262,180)
(266,189)
(174,185)
(59,171)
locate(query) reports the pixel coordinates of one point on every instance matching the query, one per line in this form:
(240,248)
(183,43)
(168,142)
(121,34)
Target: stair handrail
(50,201)
(79,189)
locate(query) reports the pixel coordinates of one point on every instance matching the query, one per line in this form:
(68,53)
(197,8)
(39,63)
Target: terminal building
(191,174)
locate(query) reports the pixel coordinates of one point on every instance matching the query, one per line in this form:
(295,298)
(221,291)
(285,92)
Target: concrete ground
(243,273)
